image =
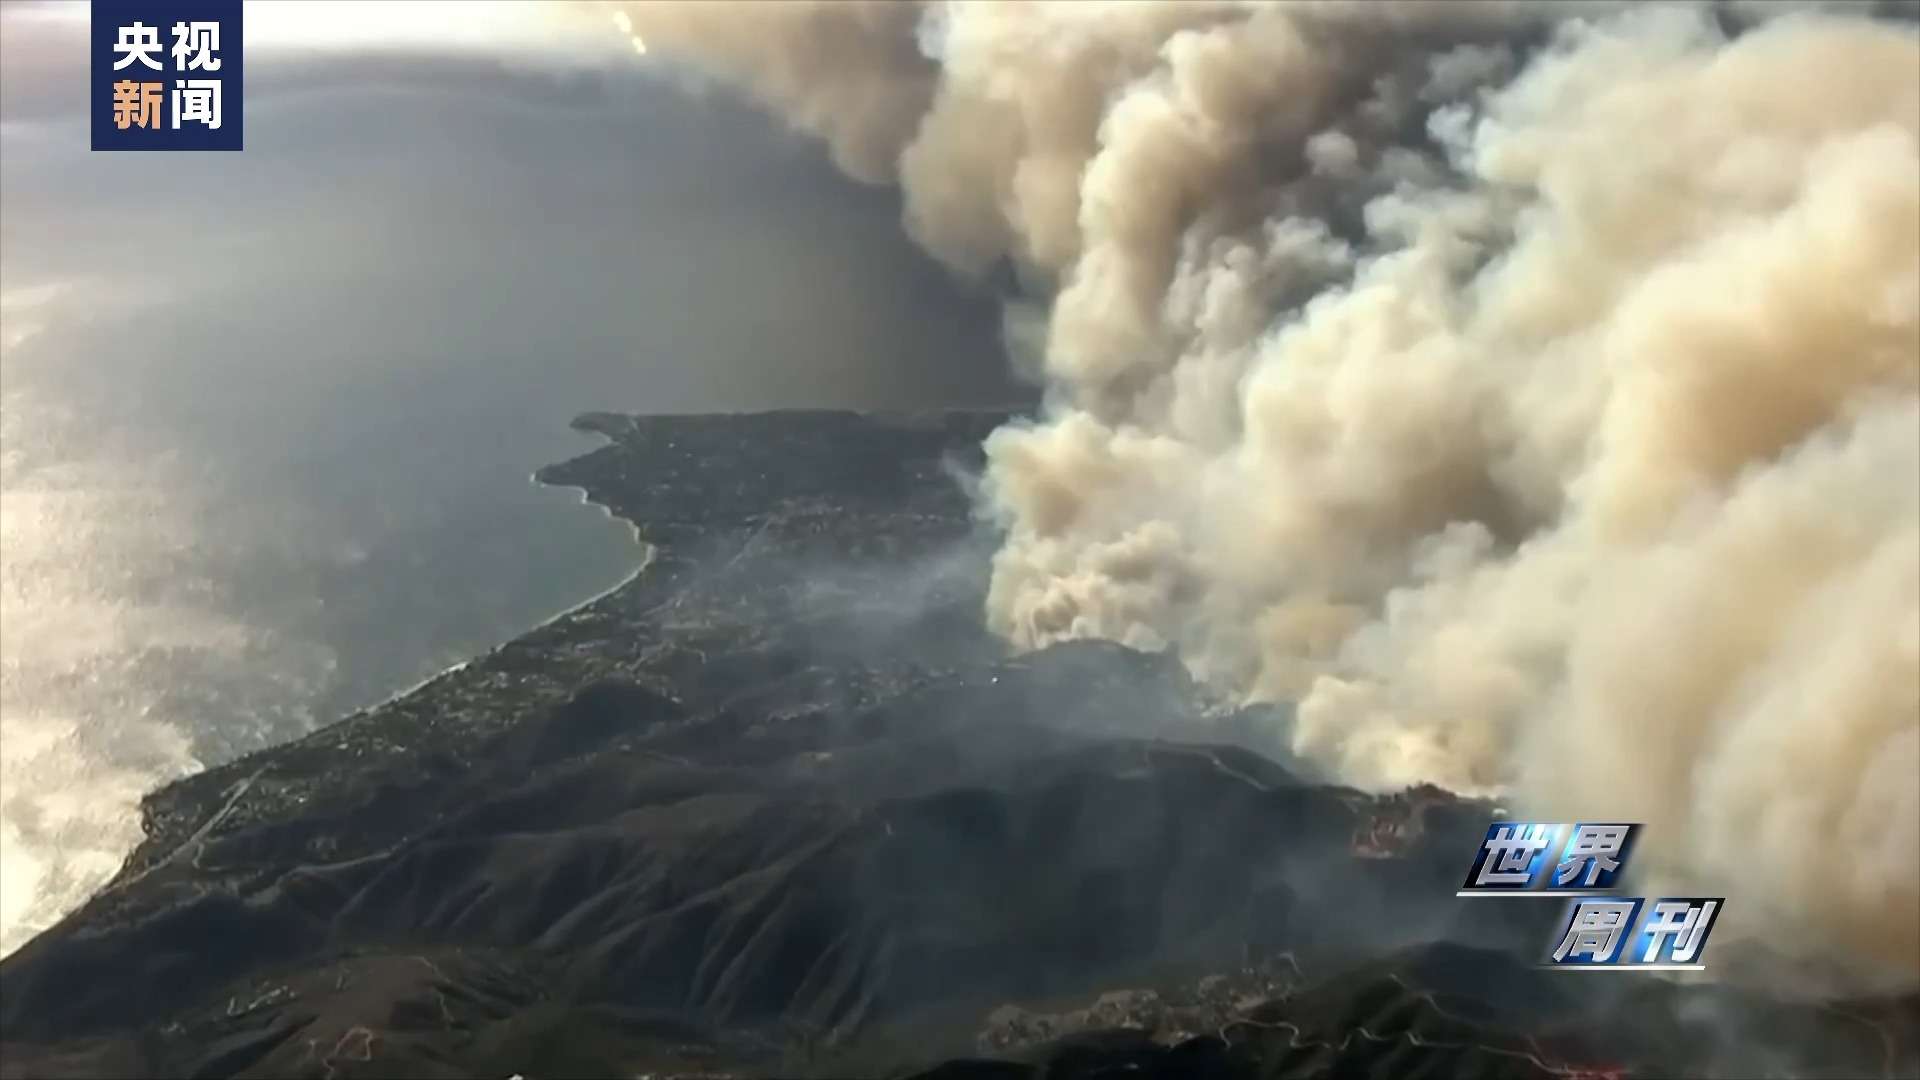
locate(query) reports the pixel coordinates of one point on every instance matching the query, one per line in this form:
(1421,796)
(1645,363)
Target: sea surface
(268,419)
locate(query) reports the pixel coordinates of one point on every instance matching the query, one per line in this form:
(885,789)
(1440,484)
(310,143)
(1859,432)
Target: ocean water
(267,420)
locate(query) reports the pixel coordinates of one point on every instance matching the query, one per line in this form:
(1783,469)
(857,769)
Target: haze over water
(267,420)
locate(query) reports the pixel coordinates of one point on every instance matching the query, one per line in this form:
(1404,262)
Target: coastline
(607,426)
(646,556)
(464,702)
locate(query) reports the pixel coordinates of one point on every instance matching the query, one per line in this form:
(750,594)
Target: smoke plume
(1529,392)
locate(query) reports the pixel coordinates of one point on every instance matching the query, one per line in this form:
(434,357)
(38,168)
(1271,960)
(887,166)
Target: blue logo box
(1518,857)
(1665,933)
(167,75)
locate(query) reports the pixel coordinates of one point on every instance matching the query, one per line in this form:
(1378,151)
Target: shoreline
(463,703)
(647,555)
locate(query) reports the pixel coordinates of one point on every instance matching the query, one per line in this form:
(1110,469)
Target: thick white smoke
(1530,392)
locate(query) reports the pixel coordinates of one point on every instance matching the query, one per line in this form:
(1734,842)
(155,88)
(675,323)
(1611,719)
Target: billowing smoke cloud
(1530,392)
